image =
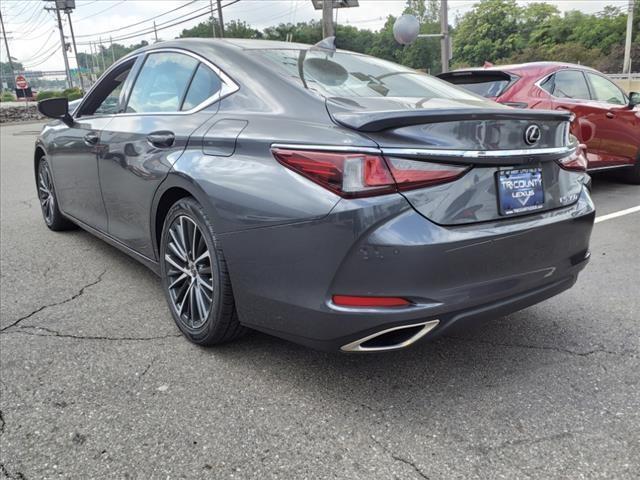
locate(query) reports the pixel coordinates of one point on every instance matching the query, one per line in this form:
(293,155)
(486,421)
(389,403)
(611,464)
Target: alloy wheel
(189,275)
(45,193)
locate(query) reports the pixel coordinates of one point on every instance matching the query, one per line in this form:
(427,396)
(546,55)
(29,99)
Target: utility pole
(62,42)
(6,44)
(102,55)
(75,49)
(327,19)
(155,31)
(220,20)
(445,46)
(113,53)
(213,23)
(626,65)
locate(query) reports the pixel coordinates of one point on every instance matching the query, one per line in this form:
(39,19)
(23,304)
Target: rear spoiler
(372,121)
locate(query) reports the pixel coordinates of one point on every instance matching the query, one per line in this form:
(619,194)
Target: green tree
(490,31)
(5,72)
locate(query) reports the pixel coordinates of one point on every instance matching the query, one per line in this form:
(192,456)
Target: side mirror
(634,99)
(57,108)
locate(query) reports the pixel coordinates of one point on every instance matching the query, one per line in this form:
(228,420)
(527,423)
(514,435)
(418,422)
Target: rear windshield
(351,75)
(481,84)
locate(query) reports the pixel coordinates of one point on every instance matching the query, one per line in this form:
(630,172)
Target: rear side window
(605,91)
(570,84)
(162,83)
(205,84)
(487,84)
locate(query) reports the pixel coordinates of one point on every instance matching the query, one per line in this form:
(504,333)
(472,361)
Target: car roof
(530,68)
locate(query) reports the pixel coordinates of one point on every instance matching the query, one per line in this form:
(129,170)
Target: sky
(35,40)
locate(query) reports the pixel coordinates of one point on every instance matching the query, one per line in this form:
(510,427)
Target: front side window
(350,75)
(570,84)
(204,85)
(105,97)
(162,83)
(605,91)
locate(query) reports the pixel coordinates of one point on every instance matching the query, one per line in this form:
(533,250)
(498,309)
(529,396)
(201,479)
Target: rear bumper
(283,277)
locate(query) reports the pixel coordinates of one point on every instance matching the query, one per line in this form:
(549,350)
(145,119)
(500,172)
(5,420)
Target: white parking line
(620,213)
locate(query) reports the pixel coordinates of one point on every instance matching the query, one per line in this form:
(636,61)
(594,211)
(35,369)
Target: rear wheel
(53,218)
(195,277)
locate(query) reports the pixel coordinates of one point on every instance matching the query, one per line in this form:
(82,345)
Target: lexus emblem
(532,134)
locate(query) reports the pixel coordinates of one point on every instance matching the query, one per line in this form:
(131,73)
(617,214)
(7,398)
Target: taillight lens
(576,162)
(347,174)
(410,174)
(360,175)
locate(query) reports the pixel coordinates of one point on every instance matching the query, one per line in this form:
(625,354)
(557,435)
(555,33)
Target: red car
(607,120)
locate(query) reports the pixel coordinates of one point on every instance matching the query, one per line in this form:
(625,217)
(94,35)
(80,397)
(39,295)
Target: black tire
(53,217)
(219,323)
(632,174)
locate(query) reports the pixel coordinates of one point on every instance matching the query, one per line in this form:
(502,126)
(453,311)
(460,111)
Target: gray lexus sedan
(330,198)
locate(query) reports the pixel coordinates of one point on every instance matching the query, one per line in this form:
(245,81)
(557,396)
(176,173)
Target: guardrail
(624,76)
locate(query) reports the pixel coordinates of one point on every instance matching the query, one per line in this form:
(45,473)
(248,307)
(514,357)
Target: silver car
(334,199)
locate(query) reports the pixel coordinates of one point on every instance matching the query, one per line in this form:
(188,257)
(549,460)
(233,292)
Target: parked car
(606,119)
(327,197)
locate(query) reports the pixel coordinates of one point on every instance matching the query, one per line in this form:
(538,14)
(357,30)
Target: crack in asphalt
(525,441)
(2,422)
(546,348)
(399,458)
(55,333)
(55,304)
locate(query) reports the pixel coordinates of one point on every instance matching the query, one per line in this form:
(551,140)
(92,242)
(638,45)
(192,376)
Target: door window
(605,90)
(204,85)
(105,98)
(162,83)
(570,84)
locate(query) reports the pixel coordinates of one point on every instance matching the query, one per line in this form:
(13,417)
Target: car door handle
(610,115)
(161,139)
(91,138)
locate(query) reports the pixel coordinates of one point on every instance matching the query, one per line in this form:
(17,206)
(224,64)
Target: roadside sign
(21,82)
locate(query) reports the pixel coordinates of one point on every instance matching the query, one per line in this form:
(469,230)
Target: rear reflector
(577,161)
(361,175)
(351,301)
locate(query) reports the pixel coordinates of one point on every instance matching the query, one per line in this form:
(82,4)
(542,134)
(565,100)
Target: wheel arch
(37,155)
(172,189)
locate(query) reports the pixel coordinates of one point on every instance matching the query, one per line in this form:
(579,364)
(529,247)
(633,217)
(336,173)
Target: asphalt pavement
(96,381)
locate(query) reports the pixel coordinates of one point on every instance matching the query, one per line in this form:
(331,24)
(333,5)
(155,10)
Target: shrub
(70,93)
(7,97)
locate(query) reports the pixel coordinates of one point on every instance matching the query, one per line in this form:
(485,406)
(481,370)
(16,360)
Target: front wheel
(53,218)
(195,278)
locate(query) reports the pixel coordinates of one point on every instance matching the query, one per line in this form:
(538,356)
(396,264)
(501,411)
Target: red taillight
(347,174)
(410,174)
(577,161)
(361,175)
(351,301)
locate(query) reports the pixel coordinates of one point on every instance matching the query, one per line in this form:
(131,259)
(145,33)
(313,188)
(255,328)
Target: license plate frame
(520,190)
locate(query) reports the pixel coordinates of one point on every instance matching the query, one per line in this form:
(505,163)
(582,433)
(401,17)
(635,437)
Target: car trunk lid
(512,172)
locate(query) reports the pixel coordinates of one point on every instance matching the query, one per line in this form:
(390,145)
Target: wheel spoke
(192,303)
(177,247)
(205,284)
(202,257)
(178,280)
(202,308)
(172,262)
(185,298)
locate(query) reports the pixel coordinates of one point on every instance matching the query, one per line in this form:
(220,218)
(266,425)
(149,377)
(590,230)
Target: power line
(151,29)
(137,23)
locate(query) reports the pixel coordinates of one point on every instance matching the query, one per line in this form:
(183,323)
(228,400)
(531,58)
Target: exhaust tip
(393,338)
